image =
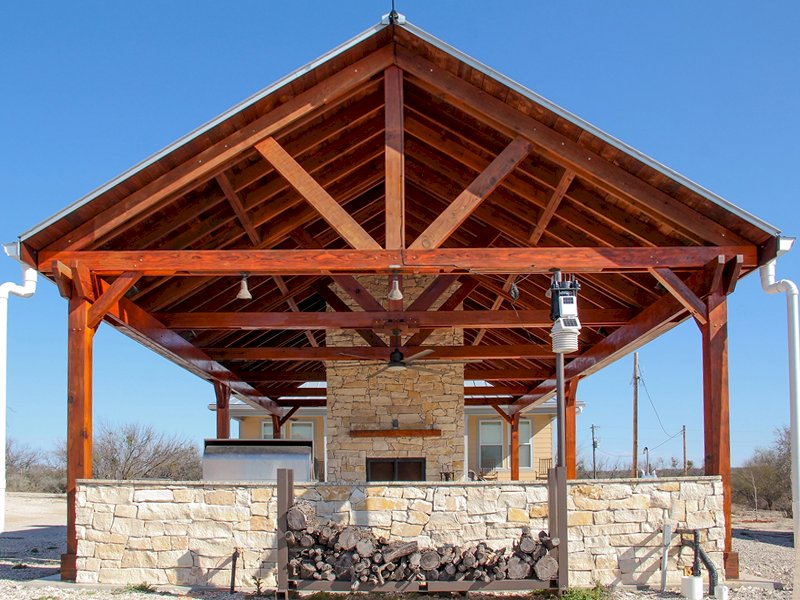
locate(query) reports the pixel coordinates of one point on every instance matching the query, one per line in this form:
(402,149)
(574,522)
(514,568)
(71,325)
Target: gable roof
(547,179)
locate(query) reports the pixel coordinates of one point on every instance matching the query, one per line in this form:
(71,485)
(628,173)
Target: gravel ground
(31,549)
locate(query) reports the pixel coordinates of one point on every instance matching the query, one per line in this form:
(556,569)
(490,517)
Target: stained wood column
(515,447)
(571,427)
(276,427)
(79,419)
(716,410)
(223,394)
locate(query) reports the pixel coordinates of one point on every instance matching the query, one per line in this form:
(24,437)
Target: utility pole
(685,464)
(635,463)
(594,452)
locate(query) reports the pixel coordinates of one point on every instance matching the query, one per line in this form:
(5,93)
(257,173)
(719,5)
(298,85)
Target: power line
(666,440)
(650,398)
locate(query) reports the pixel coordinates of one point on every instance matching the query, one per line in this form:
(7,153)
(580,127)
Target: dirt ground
(36,530)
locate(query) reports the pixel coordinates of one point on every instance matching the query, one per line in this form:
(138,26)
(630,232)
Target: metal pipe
(771,286)
(562,411)
(713,578)
(26,290)
(700,555)
(234,558)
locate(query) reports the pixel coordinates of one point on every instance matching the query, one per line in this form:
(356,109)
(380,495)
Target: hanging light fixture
(244,291)
(394,292)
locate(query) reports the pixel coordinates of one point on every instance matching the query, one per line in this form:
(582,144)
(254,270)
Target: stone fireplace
(427,404)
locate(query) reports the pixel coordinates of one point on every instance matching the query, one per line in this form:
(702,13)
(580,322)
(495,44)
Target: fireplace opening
(395,469)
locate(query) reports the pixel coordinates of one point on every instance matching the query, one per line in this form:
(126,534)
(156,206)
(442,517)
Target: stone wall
(359,397)
(185,533)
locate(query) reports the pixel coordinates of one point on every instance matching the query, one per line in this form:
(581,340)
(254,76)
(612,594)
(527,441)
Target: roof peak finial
(394,17)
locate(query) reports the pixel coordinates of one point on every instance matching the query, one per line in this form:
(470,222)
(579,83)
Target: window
(490,449)
(525,443)
(302,430)
(266,430)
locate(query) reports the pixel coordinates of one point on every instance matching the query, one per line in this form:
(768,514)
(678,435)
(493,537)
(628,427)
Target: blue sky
(710,89)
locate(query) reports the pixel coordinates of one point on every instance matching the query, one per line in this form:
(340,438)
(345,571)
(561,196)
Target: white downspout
(771,286)
(26,290)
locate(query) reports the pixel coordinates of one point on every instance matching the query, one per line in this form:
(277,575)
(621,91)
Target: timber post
(515,447)
(223,395)
(716,410)
(79,419)
(571,428)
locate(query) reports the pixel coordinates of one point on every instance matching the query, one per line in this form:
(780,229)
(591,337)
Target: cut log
(343,567)
(429,560)
(306,541)
(296,519)
(517,568)
(349,538)
(365,547)
(527,545)
(398,550)
(307,570)
(546,568)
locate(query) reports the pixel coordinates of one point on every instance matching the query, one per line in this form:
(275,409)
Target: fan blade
(418,355)
(359,357)
(454,362)
(378,372)
(425,369)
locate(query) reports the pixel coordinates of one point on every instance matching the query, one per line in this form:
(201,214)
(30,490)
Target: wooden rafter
(283,376)
(454,301)
(675,286)
(495,306)
(494,319)
(367,353)
(341,308)
(205,165)
(328,208)
(561,149)
(134,321)
(238,207)
(395,159)
(111,296)
(289,414)
(469,200)
(321,262)
(552,206)
(292,303)
(472,391)
(502,413)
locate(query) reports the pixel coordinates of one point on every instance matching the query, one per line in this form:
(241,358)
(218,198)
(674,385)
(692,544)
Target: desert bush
(28,470)
(135,451)
(128,451)
(763,480)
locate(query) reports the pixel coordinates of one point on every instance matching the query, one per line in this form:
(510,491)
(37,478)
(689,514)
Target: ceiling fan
(398,362)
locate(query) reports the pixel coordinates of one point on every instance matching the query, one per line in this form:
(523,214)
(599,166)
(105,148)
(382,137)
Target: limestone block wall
(185,533)
(359,397)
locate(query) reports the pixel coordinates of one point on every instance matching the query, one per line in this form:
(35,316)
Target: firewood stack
(332,552)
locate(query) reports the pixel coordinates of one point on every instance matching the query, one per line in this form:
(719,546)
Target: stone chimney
(361,399)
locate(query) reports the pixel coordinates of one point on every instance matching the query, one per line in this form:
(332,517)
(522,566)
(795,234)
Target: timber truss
(394,155)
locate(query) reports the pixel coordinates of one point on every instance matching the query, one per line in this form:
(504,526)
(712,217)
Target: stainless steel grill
(257,460)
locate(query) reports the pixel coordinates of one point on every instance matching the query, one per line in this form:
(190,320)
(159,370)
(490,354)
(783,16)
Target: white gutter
(26,290)
(790,289)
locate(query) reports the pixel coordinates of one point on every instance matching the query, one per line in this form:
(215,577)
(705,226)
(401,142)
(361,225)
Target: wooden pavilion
(393,155)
